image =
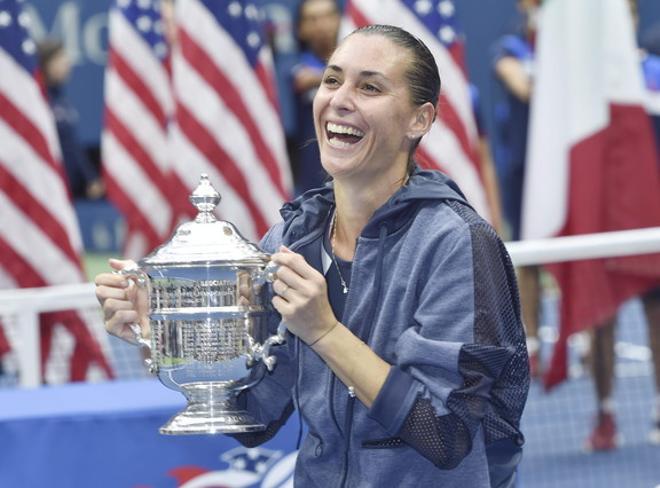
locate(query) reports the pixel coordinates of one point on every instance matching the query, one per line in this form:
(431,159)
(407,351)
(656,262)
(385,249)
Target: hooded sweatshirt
(433,293)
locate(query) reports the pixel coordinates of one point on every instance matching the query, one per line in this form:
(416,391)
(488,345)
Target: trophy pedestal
(211,410)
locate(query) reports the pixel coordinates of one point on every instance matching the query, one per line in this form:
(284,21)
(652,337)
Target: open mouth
(342,135)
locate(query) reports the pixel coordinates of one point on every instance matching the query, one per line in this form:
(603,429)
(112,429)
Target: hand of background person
(123,302)
(302,297)
(307,78)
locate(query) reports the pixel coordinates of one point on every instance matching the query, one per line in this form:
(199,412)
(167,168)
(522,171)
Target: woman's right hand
(123,302)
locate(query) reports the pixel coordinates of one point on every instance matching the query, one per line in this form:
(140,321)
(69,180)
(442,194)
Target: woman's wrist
(323,334)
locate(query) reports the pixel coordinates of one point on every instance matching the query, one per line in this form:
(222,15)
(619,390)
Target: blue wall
(82,24)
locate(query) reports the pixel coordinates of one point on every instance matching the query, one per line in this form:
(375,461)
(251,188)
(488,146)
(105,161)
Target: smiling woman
(407,355)
(367,119)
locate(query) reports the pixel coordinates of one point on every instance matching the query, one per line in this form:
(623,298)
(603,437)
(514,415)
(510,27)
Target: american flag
(40,241)
(452,144)
(138,111)
(227,117)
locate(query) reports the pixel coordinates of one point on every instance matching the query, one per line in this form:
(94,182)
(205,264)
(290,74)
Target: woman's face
(363,114)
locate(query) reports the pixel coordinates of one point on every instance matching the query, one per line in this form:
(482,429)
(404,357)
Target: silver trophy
(208,315)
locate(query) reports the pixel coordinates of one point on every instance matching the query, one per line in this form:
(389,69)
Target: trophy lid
(206,239)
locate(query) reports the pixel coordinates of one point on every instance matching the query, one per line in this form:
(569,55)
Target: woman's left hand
(302,297)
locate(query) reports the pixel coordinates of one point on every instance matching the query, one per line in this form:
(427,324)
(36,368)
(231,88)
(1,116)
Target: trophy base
(211,421)
(211,410)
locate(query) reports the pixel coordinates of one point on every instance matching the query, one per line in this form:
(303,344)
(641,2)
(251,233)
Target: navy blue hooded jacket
(433,293)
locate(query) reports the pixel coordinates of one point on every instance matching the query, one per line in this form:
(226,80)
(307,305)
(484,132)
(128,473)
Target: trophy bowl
(209,311)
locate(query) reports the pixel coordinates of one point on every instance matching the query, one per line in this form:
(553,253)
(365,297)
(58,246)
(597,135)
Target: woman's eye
(330,80)
(371,88)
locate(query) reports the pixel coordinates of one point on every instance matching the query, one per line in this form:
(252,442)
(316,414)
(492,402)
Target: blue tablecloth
(106,435)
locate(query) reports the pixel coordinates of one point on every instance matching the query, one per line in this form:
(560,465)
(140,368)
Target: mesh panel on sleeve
(444,440)
(494,366)
(497,324)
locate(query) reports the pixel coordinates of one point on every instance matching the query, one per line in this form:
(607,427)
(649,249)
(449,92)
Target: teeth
(339,144)
(344,129)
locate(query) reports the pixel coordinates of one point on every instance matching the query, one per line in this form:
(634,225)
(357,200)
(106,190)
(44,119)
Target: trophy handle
(278,338)
(268,274)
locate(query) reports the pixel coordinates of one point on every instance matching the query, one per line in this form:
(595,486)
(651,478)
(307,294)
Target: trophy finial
(205,198)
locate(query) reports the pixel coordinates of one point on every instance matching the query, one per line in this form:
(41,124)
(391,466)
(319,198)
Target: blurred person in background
(487,168)
(83,178)
(651,67)
(317,31)
(513,69)
(604,435)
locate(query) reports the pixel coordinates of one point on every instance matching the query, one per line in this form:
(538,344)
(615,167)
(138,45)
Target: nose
(342,98)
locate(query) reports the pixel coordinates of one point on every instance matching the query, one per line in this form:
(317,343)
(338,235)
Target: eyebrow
(364,73)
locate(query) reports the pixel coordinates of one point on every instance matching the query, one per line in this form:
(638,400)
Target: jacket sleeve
(462,364)
(270,400)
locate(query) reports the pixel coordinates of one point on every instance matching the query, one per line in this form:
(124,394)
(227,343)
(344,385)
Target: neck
(355,207)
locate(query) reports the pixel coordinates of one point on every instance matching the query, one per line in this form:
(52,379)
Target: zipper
(348,427)
(348,420)
(350,403)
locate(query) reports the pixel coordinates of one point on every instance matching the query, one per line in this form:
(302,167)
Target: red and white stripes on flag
(40,241)
(452,144)
(137,161)
(227,120)
(592,163)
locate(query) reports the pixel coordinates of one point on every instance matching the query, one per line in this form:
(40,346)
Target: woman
(409,357)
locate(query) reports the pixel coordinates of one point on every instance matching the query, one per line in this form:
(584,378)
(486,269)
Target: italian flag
(592,161)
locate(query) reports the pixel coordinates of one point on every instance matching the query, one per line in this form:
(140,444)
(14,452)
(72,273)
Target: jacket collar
(308,212)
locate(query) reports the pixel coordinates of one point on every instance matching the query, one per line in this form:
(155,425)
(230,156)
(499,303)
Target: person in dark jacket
(406,355)
(318,27)
(513,68)
(83,178)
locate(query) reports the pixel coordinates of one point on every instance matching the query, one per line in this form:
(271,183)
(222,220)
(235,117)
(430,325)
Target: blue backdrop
(82,24)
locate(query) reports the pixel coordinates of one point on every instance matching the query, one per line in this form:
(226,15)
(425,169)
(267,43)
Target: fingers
(112,285)
(289,277)
(120,301)
(113,305)
(106,293)
(119,323)
(111,279)
(283,307)
(295,261)
(119,264)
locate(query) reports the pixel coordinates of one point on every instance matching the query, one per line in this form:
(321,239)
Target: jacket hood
(306,212)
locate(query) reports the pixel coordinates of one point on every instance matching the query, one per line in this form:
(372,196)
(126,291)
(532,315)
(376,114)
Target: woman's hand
(123,302)
(302,297)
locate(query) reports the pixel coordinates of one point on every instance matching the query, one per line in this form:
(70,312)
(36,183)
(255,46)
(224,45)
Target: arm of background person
(514,76)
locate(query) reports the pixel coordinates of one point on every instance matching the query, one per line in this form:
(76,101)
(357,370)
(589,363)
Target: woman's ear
(421,121)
